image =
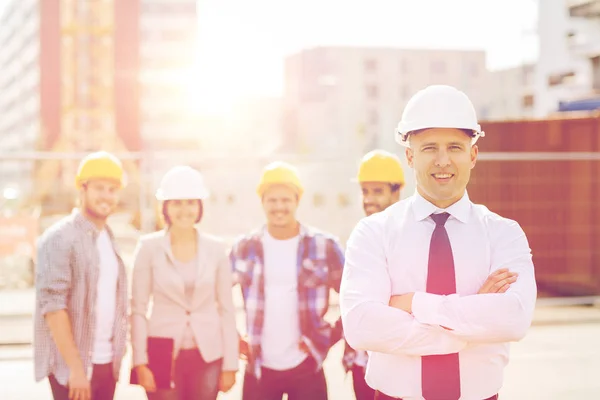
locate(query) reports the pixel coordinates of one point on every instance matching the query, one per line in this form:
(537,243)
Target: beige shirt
(188,271)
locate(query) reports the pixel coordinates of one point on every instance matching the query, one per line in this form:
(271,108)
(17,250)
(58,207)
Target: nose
(442,159)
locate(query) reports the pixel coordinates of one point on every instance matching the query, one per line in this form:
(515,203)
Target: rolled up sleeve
(54,274)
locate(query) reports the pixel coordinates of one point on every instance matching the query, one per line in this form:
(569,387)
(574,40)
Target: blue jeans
(303,382)
(195,379)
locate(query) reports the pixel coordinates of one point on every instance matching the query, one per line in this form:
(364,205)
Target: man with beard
(81,291)
(381,178)
(286,270)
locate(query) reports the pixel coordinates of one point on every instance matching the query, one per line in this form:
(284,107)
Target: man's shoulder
(242,243)
(62,230)
(318,234)
(391,215)
(492,220)
(247,237)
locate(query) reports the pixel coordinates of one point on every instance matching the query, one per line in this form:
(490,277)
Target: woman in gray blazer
(187,276)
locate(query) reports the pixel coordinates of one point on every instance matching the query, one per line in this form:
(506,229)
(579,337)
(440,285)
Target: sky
(242,43)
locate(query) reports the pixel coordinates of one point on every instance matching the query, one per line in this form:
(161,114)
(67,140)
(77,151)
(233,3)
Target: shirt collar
(304,231)
(88,226)
(460,210)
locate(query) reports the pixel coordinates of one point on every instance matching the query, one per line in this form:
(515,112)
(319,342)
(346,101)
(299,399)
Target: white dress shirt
(387,254)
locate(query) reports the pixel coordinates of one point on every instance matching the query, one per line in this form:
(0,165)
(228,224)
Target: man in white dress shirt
(436,286)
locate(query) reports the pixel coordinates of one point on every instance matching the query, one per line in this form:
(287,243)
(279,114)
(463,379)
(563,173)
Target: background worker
(81,291)
(381,179)
(187,275)
(286,270)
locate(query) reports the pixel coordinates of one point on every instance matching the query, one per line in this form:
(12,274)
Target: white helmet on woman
(438,106)
(182,183)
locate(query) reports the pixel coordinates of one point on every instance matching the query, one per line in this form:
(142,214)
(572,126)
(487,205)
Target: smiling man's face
(442,159)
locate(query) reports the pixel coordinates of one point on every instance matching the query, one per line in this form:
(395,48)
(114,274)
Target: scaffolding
(87,96)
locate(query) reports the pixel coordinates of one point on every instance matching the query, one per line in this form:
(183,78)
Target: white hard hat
(438,106)
(182,183)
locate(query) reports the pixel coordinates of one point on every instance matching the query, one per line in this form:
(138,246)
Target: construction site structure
(87,97)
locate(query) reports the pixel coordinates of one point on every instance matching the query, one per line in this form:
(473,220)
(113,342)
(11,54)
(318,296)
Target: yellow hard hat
(380,166)
(280,173)
(99,165)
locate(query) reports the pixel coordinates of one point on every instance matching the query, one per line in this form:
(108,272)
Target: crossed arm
(421,323)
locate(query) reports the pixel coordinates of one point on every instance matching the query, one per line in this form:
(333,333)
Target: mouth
(442,177)
(104,206)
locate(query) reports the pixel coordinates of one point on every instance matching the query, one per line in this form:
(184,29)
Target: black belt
(383,396)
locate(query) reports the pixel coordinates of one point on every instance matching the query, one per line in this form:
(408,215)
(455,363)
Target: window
(528,75)
(404,93)
(596,72)
(372,91)
(404,66)
(527,101)
(343,200)
(373,117)
(438,67)
(474,69)
(560,79)
(318,200)
(370,65)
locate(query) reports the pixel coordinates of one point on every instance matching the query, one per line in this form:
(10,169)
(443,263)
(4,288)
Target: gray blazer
(211,313)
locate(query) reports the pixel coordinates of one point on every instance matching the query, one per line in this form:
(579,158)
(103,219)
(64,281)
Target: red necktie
(440,374)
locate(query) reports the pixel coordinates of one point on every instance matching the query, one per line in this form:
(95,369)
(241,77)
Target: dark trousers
(194,378)
(301,383)
(381,396)
(362,391)
(103,384)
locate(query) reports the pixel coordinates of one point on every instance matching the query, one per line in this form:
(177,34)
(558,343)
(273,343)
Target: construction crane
(87,38)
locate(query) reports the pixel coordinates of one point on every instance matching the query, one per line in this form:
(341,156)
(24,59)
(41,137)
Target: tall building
(345,99)
(511,93)
(79,75)
(21,103)
(167,48)
(569,58)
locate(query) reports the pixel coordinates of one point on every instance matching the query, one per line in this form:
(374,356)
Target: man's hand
(79,386)
(244,348)
(402,302)
(303,347)
(146,378)
(226,381)
(499,281)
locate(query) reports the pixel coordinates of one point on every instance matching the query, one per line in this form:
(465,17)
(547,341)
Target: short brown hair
(168,220)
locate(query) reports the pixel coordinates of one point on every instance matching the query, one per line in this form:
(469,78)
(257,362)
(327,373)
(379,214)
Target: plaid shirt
(67,273)
(320,264)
